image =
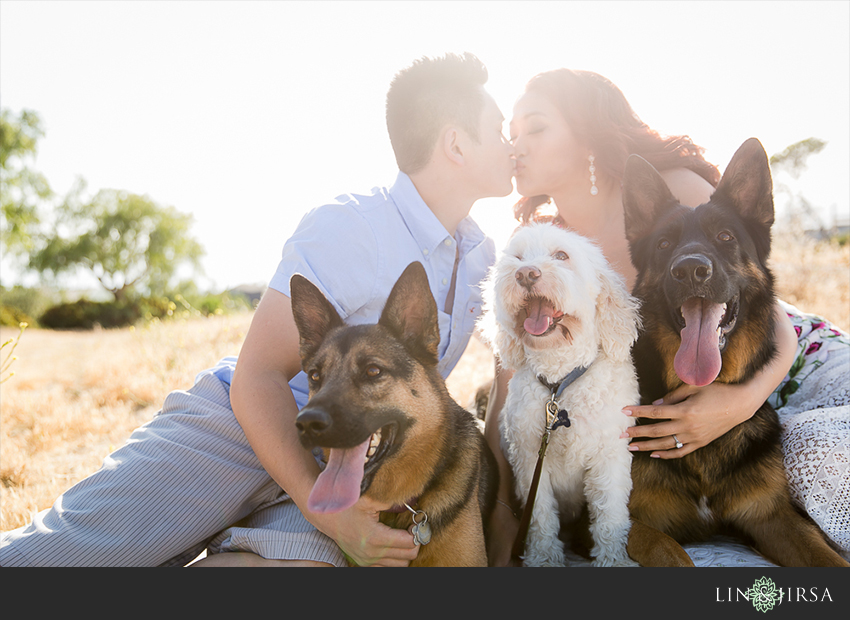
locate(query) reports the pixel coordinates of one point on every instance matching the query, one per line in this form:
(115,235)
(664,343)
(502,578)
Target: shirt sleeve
(335,247)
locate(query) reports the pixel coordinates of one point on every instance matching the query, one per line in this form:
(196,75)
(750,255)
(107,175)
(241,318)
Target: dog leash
(555,417)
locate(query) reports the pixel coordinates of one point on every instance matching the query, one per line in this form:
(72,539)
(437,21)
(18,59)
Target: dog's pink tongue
(698,360)
(338,486)
(540,315)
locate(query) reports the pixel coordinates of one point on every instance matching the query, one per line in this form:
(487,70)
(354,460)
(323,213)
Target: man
(221,453)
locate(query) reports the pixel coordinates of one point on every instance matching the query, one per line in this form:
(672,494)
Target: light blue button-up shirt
(355,249)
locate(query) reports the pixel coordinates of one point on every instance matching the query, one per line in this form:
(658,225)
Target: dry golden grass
(75,396)
(812,275)
(78,395)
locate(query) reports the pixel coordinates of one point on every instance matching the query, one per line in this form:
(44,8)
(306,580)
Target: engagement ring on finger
(679,444)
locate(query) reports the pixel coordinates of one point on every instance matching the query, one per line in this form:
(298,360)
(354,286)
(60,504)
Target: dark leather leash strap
(519,543)
(556,389)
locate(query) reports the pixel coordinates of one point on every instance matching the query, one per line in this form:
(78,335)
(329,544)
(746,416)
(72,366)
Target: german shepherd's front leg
(787,538)
(649,547)
(659,512)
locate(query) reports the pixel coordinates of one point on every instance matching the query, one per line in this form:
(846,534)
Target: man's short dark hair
(428,95)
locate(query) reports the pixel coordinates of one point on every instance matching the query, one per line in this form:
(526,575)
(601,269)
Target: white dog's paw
(553,555)
(544,562)
(622,562)
(612,558)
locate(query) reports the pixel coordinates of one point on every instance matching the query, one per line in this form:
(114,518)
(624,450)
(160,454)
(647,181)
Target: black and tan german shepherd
(707,305)
(388,427)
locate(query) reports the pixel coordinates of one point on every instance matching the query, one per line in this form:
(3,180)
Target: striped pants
(184,482)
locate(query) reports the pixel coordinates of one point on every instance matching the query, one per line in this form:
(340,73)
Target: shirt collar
(424,226)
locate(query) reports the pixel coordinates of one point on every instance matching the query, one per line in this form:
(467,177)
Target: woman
(572,132)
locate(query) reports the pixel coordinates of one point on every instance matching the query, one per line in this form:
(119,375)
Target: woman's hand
(365,540)
(695,415)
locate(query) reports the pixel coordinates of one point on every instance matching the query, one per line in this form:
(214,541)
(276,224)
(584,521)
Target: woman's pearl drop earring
(593,189)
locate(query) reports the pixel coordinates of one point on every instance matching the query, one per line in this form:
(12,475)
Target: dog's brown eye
(725,236)
(315,376)
(560,255)
(663,244)
(373,372)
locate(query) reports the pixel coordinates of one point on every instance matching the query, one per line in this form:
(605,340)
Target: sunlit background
(246,115)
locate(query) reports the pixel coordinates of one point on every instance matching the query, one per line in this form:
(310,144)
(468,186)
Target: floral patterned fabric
(817,340)
(813,404)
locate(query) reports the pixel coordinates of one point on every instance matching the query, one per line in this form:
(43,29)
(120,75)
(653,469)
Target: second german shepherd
(707,304)
(388,427)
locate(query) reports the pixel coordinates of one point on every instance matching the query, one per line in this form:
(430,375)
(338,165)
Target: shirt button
(445,281)
(425,251)
(448,241)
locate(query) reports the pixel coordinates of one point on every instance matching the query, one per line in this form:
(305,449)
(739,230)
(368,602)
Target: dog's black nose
(692,269)
(527,276)
(313,422)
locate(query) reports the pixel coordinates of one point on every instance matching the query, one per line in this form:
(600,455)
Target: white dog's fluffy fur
(587,461)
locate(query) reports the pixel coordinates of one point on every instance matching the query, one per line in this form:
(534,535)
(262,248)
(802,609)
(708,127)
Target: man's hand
(365,540)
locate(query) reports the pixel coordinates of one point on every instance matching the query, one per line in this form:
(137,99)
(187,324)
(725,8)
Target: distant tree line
(132,245)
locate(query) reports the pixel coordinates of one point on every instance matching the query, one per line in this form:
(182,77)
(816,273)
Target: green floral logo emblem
(764,595)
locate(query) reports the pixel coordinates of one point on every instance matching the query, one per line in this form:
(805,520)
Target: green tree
(792,160)
(22,190)
(127,241)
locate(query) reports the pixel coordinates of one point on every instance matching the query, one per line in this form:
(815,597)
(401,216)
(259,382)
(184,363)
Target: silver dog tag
(421,530)
(422,533)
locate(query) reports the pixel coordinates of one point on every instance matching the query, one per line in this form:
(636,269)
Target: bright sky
(247,115)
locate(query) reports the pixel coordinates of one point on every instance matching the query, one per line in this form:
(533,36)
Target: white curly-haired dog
(553,305)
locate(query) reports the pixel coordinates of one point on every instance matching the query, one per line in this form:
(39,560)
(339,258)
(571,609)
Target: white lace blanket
(816,444)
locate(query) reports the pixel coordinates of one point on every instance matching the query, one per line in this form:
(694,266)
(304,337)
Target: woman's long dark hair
(601,118)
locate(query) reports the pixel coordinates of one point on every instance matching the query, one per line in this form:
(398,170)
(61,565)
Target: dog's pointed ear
(645,197)
(313,313)
(617,316)
(411,314)
(747,186)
